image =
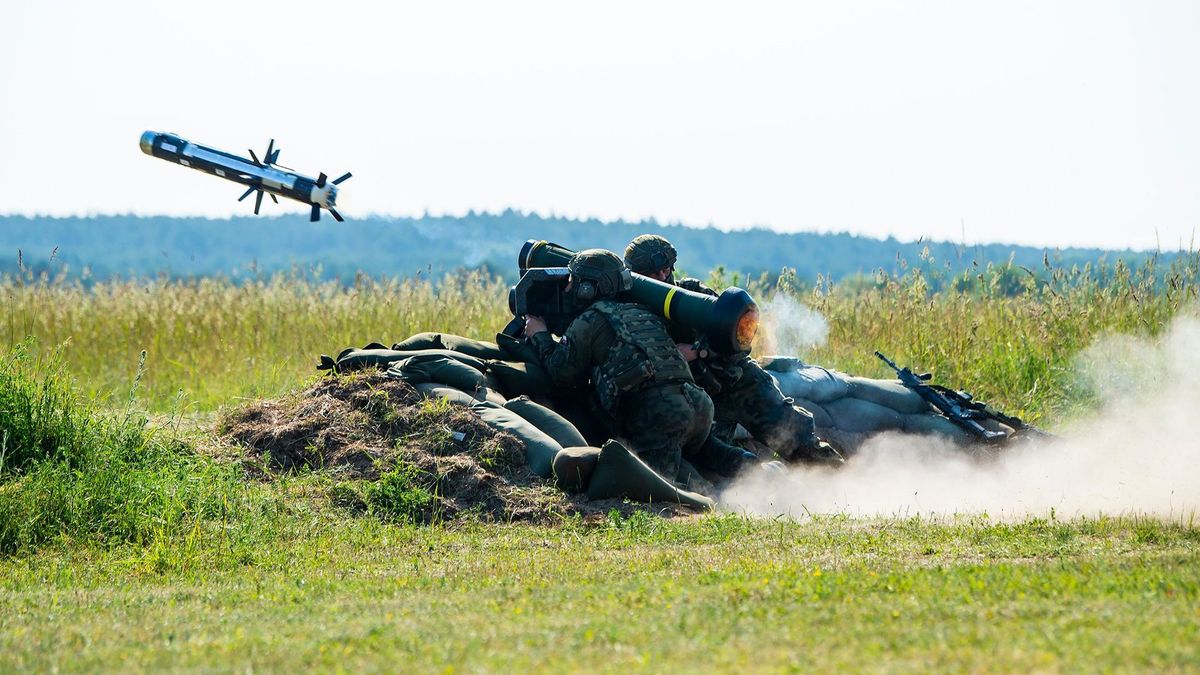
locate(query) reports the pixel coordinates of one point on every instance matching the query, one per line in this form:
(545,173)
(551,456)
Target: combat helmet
(597,273)
(649,253)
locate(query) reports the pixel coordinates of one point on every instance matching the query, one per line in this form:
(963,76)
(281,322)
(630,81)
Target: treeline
(104,247)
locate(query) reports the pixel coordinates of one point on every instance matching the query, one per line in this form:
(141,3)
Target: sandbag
(540,449)
(853,414)
(357,359)
(517,349)
(435,390)
(573,468)
(820,416)
(813,383)
(551,423)
(440,369)
(619,473)
(455,343)
(890,393)
(780,364)
(517,379)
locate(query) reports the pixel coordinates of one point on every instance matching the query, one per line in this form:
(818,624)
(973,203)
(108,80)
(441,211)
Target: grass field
(123,548)
(636,594)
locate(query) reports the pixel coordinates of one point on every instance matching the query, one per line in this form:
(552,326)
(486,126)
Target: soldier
(742,392)
(640,380)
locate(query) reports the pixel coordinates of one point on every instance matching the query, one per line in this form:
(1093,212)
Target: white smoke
(791,327)
(1140,454)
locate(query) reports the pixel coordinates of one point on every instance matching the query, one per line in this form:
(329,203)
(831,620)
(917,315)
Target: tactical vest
(643,354)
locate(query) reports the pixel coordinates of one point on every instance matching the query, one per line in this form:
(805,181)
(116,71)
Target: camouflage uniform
(664,416)
(741,391)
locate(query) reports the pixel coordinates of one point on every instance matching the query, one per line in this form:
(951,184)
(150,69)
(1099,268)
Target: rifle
(959,406)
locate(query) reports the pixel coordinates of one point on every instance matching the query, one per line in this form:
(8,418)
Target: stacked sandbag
(480,349)
(371,356)
(555,448)
(540,448)
(515,378)
(549,422)
(851,408)
(612,471)
(434,367)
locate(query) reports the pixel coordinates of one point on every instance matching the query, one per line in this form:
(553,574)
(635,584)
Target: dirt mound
(398,454)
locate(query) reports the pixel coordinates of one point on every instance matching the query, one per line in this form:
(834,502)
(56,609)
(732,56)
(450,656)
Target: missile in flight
(263,176)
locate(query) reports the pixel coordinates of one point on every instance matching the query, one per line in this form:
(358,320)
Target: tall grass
(70,471)
(1006,333)
(218,340)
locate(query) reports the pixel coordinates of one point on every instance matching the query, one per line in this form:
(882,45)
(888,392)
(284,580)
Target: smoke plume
(791,327)
(1140,454)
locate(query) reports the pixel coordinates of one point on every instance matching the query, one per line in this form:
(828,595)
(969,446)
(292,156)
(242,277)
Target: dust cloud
(1140,454)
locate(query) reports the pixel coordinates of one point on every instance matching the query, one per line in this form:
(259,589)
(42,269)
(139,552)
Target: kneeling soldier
(638,377)
(741,391)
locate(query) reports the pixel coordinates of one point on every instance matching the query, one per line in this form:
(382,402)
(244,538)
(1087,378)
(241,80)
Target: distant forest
(103,247)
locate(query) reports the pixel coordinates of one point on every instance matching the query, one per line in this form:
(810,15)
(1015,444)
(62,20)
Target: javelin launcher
(263,176)
(729,321)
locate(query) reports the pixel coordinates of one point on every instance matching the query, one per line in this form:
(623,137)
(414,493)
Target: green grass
(122,547)
(635,594)
(1008,335)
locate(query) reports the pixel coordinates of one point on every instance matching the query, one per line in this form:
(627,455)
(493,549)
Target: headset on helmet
(598,273)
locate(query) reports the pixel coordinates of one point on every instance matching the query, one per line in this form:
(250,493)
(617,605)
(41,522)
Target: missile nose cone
(147,142)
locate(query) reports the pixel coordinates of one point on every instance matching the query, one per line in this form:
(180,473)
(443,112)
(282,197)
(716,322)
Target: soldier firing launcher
(729,321)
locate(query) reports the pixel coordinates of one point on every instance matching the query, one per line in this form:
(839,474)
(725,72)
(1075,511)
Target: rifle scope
(729,321)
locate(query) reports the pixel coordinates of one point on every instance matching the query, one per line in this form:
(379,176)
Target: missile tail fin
(255,158)
(321,179)
(269,158)
(343,177)
(273,198)
(258,202)
(336,216)
(315,215)
(246,193)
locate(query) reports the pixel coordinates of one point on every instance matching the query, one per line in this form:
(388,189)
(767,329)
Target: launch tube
(728,321)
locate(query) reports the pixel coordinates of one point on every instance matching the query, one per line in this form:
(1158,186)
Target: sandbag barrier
(478,375)
(846,409)
(503,383)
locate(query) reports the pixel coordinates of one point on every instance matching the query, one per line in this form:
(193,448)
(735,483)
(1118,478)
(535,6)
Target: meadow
(125,544)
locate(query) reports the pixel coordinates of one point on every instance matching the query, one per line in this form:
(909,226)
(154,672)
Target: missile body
(261,176)
(729,321)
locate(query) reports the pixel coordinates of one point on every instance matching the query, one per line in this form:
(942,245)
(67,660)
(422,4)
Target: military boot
(722,458)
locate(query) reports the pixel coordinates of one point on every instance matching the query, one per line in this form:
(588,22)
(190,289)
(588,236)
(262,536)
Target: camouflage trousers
(666,423)
(748,396)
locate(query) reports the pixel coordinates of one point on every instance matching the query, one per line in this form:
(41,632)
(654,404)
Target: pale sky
(1044,123)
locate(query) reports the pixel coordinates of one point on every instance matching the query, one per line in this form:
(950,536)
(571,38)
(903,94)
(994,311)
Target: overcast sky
(1070,123)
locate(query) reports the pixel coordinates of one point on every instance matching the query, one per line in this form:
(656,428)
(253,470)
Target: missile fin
(255,158)
(269,157)
(336,216)
(273,198)
(315,215)
(321,180)
(246,193)
(258,202)
(344,176)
